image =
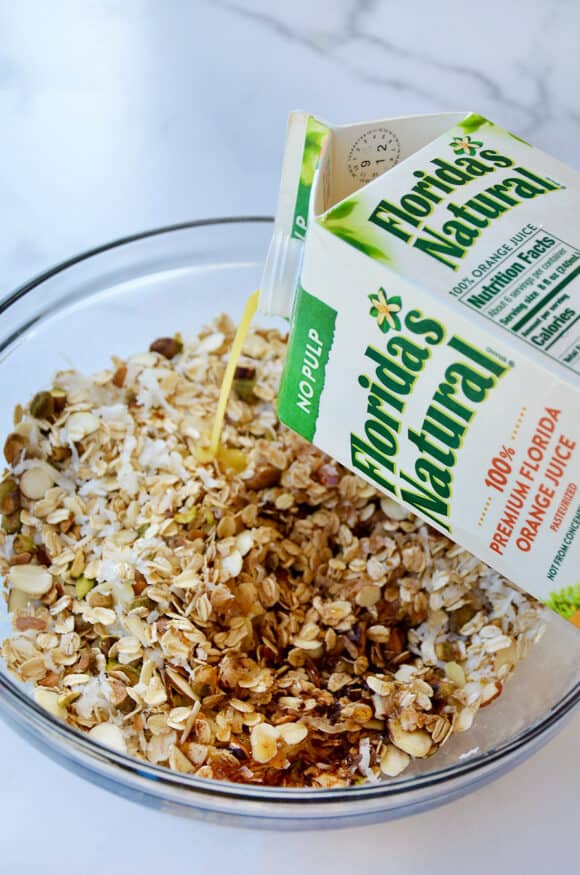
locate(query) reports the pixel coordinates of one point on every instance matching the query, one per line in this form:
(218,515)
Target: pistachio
(394,761)
(83,586)
(168,347)
(130,672)
(417,743)
(42,406)
(32,579)
(9,496)
(11,523)
(23,544)
(35,482)
(244,382)
(185,517)
(13,447)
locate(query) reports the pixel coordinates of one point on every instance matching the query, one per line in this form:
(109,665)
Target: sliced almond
(35,482)
(109,735)
(417,743)
(48,700)
(81,424)
(394,761)
(293,733)
(455,673)
(32,579)
(264,742)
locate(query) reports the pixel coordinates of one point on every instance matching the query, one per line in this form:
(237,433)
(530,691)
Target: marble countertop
(120,115)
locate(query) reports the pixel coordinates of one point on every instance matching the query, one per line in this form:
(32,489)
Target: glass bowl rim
(39,719)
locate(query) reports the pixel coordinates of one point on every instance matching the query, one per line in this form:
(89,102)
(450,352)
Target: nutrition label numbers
(529,293)
(373,152)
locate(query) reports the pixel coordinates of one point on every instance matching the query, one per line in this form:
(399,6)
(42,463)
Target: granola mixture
(268,618)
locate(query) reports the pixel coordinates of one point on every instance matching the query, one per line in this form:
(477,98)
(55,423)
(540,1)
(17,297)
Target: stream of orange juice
(226,387)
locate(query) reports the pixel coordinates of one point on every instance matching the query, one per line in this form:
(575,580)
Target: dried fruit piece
(168,347)
(264,478)
(120,376)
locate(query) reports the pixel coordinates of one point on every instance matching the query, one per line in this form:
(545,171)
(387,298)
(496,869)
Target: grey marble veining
(123,114)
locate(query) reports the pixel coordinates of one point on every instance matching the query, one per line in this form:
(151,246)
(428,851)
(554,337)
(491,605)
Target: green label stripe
(313,143)
(308,351)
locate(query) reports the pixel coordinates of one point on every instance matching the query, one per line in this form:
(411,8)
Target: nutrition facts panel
(530,293)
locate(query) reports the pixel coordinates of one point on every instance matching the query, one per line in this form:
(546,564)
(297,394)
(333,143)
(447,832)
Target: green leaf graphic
(473,122)
(565,601)
(313,142)
(353,237)
(519,139)
(342,210)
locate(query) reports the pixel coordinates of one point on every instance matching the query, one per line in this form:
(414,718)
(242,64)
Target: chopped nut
(14,446)
(168,347)
(455,673)
(264,740)
(83,586)
(292,733)
(42,406)
(261,616)
(9,496)
(394,761)
(417,743)
(109,735)
(81,424)
(35,483)
(31,579)
(48,700)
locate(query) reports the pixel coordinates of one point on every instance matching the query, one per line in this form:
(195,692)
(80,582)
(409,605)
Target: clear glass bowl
(116,299)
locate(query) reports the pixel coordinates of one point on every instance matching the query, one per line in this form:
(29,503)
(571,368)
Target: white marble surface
(119,115)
